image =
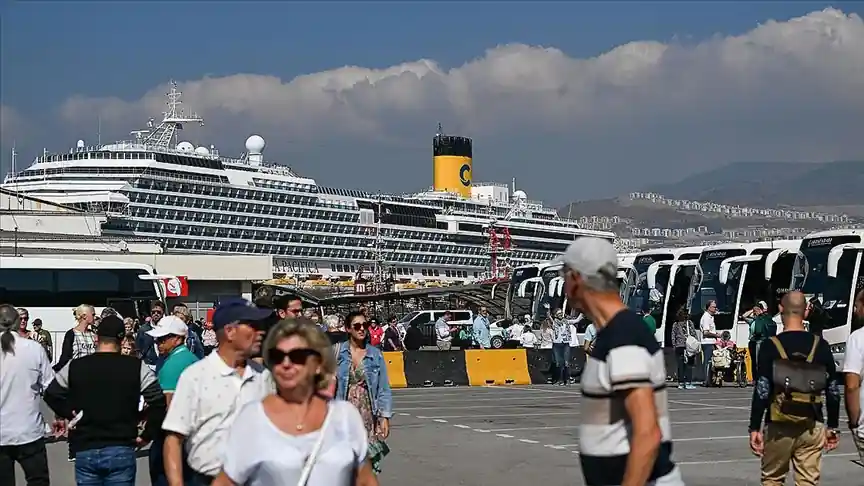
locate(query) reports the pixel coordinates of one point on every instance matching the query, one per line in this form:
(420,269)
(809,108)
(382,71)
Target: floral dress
(359,396)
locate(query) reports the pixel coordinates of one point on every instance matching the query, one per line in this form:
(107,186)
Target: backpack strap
(813,349)
(779,347)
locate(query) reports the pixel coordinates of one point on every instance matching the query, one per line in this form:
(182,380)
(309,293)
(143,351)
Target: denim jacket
(376,378)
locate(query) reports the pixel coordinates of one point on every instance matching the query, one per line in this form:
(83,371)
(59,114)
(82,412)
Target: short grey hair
(604,280)
(333,322)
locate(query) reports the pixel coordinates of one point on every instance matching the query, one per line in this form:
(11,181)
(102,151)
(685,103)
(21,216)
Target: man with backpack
(795,369)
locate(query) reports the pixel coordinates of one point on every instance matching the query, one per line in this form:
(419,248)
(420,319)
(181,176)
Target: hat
(111,327)
(762,304)
(238,310)
(168,325)
(592,258)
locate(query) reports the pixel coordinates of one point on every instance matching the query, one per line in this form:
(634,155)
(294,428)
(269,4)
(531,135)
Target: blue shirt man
(481,329)
(170,335)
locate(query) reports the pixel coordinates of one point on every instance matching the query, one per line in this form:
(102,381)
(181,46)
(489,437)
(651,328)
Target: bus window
(39,287)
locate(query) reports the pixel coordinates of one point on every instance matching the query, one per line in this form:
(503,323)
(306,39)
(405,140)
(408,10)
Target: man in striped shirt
(625,434)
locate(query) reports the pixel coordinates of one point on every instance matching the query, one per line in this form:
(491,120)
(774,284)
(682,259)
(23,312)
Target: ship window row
(299,232)
(188,161)
(335,191)
(96,155)
(245,245)
(226,191)
(132,171)
(221,211)
(273,184)
(227,204)
(172,237)
(185,176)
(338,267)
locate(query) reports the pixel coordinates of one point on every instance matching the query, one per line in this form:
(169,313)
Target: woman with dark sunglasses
(297,435)
(361,378)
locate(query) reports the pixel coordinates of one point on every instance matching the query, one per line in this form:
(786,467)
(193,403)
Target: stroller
(723,359)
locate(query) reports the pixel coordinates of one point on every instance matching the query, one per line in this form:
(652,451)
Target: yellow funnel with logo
(451,164)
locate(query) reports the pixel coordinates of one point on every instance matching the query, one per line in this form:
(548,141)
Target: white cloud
(788,90)
(11,125)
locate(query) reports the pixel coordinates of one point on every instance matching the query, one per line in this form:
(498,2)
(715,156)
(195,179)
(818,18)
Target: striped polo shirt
(625,356)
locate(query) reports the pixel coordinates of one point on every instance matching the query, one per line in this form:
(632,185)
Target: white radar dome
(80,144)
(520,195)
(202,151)
(185,147)
(255,144)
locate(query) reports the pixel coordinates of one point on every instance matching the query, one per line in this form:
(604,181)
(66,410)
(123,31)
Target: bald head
(794,304)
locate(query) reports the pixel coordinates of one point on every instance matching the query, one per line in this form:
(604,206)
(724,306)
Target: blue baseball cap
(241,310)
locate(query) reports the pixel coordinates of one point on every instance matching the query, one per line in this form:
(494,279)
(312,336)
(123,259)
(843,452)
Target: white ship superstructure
(193,199)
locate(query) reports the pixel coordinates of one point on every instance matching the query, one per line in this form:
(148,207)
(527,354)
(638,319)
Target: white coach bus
(50,288)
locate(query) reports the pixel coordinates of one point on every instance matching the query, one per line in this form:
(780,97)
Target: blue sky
(52,51)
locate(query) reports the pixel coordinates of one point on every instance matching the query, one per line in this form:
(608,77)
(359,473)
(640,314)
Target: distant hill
(773,184)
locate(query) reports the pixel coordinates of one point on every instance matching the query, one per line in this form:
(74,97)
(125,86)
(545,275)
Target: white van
(425,321)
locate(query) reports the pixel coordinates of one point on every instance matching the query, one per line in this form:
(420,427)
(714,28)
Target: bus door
(733,271)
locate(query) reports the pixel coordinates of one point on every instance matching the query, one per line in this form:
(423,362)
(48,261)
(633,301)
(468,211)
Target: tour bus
(658,270)
(549,289)
(761,274)
(828,267)
(50,288)
(526,285)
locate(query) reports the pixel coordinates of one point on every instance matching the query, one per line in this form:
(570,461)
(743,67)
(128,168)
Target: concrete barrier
(497,367)
(395,363)
(435,368)
(541,364)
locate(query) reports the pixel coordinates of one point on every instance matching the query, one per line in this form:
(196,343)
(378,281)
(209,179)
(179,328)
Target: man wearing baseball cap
(170,337)
(624,371)
(209,393)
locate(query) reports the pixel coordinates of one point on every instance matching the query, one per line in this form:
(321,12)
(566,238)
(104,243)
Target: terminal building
(31,227)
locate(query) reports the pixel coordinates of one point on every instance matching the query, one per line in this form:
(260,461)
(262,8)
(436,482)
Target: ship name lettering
(281,265)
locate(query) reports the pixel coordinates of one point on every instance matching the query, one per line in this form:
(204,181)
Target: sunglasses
(359,326)
(297,356)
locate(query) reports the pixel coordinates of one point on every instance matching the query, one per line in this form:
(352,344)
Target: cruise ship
(193,199)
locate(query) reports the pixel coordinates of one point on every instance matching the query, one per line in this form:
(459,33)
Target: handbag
(316,450)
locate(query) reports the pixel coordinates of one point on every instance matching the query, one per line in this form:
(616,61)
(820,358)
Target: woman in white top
(546,335)
(297,436)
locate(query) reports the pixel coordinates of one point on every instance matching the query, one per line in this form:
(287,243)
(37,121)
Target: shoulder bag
(316,450)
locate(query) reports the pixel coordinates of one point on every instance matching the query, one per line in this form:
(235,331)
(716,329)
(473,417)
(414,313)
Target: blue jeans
(561,357)
(108,466)
(707,353)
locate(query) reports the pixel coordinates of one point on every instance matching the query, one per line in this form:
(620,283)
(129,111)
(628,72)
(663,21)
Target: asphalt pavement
(516,436)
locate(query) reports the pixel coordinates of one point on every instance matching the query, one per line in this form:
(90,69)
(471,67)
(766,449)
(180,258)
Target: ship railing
(490,184)
(266,167)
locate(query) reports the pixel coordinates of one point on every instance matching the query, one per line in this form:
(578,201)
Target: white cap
(592,258)
(168,325)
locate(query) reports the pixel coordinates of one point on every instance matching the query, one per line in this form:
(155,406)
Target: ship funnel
(451,163)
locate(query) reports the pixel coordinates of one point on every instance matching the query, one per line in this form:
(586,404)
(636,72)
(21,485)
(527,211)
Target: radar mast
(173,120)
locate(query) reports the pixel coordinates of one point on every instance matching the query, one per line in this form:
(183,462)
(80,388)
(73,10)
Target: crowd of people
(310,403)
(216,401)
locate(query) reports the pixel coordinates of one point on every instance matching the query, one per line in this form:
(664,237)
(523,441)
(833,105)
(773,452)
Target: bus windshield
(810,274)
(518,305)
(709,286)
(639,292)
(50,294)
(549,303)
